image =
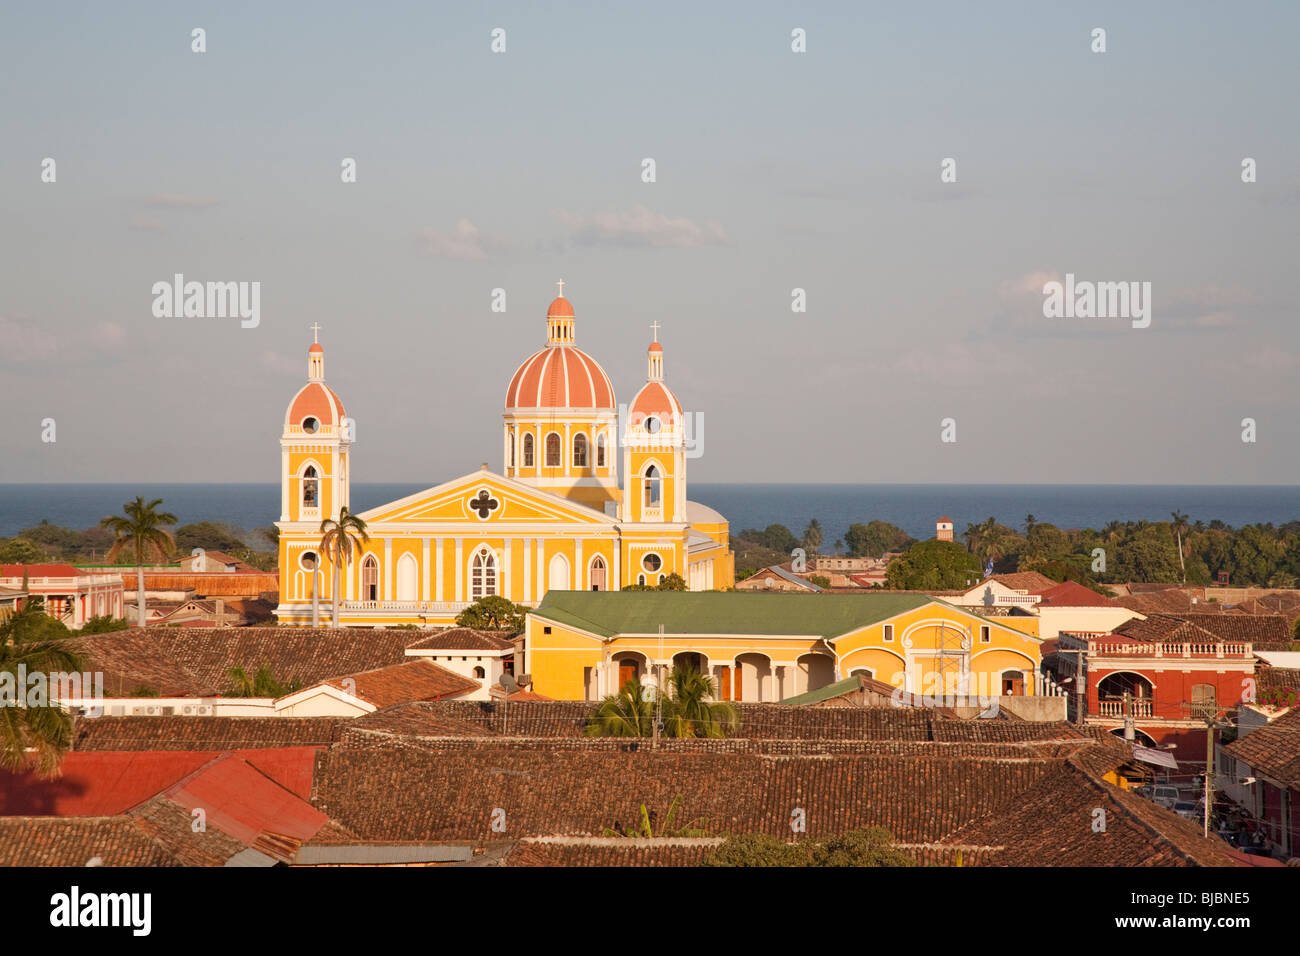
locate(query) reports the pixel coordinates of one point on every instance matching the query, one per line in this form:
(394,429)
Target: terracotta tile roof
(1270,677)
(1166,601)
(464,638)
(203,733)
(1074,594)
(53,841)
(1031,581)
(130,661)
(1264,632)
(412,680)
(1273,750)
(1167,628)
(420,720)
(308,655)
(1286,604)
(1051,823)
(609,851)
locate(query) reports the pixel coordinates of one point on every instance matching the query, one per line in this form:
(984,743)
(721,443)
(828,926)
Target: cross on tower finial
(315,331)
(654,327)
(560,283)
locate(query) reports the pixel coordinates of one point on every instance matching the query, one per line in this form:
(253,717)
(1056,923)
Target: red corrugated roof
(1074,594)
(40,571)
(97,784)
(241,801)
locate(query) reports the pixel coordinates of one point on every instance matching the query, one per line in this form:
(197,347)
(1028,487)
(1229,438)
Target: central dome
(560,375)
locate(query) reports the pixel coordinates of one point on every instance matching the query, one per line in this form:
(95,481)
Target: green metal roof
(608,613)
(839,688)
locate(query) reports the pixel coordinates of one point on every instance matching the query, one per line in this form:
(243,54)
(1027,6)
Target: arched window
(600,450)
(597,574)
(528,450)
(408,578)
(482,574)
(653,488)
(553,450)
(640,579)
(579,450)
(479,673)
(370,579)
(510,439)
(310,488)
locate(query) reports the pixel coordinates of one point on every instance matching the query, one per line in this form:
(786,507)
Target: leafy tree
(688,713)
(873,847)
(672,582)
(207,535)
(261,684)
(103,624)
(21,551)
(338,540)
(142,530)
(1046,541)
(873,539)
(31,640)
(1147,553)
(645,827)
(1178,524)
(493,613)
(933,565)
(812,536)
(821,580)
(778,537)
(1255,555)
(629,713)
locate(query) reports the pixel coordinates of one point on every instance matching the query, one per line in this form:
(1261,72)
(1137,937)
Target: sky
(774,171)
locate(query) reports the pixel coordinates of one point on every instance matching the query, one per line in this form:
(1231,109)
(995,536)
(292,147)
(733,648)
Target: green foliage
(143,692)
(873,846)
(821,580)
(493,613)
(812,536)
(775,537)
(629,713)
(261,684)
(873,539)
(208,535)
(672,582)
(103,624)
(933,565)
(644,828)
(21,551)
(685,710)
(34,642)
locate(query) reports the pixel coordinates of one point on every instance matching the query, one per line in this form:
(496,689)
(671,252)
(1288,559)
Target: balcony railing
(1157,650)
(1138,707)
(407,607)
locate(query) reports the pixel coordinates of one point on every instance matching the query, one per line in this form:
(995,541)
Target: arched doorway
(370,579)
(628,665)
(1111,693)
(407,578)
(813,672)
(557,574)
(755,674)
(597,574)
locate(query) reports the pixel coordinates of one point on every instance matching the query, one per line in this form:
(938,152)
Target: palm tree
(812,536)
(1030,521)
(338,538)
(46,731)
(1180,527)
(629,713)
(142,529)
(687,710)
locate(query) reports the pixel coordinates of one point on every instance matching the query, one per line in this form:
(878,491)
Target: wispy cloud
(465,242)
(30,345)
(639,226)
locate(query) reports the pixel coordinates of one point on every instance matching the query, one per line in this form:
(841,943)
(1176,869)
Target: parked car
(1185,808)
(1165,796)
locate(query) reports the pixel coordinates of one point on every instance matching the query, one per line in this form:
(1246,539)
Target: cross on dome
(560,283)
(315,331)
(654,327)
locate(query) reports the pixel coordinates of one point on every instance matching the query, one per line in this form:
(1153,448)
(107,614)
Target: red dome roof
(656,399)
(316,400)
(656,347)
(315,347)
(560,308)
(560,376)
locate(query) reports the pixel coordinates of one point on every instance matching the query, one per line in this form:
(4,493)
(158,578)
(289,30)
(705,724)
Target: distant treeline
(50,542)
(1174,551)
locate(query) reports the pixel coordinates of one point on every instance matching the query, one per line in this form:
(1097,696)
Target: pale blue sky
(775,170)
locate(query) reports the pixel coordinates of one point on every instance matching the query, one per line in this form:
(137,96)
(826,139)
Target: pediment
(484,498)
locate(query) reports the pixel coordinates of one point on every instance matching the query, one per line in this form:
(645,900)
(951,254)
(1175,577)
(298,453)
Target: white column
(284,484)
(541,570)
(438,589)
(566,453)
(460,569)
(577,566)
(387,594)
(528,569)
(505,573)
(424,569)
(616,584)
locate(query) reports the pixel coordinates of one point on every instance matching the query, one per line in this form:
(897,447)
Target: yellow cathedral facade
(555,518)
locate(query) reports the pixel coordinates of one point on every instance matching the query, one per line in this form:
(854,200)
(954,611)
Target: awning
(1161,758)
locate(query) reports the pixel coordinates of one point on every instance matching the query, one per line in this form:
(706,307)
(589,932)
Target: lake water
(912,507)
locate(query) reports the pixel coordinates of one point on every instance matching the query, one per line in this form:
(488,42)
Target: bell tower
(315,448)
(654,452)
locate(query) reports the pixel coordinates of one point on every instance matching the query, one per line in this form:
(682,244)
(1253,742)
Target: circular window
(308,561)
(652,425)
(652,562)
(310,425)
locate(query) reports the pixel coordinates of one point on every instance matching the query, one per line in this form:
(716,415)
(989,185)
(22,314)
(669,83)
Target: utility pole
(659,690)
(1209,770)
(1080,685)
(1128,716)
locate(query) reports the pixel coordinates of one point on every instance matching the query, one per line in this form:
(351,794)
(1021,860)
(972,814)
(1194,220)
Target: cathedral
(555,518)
